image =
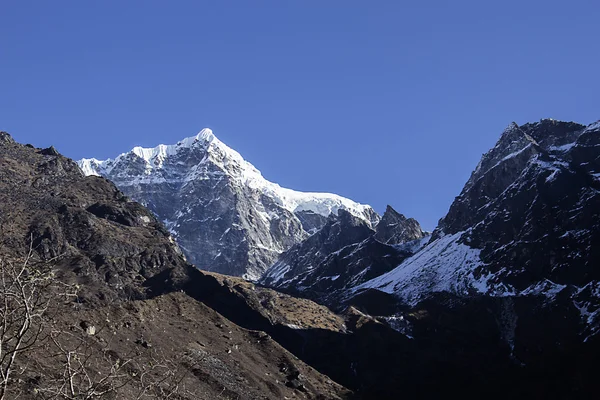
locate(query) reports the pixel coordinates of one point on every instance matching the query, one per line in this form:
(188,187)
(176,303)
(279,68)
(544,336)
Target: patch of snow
(563,148)
(90,166)
(587,301)
(277,272)
(399,324)
(592,127)
(442,265)
(446,265)
(414,245)
(575,233)
(554,166)
(545,287)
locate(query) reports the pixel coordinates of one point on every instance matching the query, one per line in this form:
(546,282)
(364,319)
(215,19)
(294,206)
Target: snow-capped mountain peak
(201,181)
(232,163)
(153,157)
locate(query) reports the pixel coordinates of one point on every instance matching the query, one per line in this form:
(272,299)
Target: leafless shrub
(84,368)
(26,292)
(88,373)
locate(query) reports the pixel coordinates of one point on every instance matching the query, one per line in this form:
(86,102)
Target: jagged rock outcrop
(224,215)
(343,254)
(395,228)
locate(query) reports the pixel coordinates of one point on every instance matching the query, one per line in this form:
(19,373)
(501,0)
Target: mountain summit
(526,223)
(225,215)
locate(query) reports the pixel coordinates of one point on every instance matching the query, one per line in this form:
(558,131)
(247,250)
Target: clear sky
(386,102)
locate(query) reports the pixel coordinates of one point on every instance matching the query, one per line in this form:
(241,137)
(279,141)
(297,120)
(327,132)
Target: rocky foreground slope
(133,326)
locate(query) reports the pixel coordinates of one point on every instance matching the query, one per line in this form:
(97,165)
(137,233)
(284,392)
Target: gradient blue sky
(381,101)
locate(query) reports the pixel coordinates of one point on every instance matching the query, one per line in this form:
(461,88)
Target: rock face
(535,213)
(224,215)
(510,275)
(395,228)
(95,234)
(527,222)
(344,253)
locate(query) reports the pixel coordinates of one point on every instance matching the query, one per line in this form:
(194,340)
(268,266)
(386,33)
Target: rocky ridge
(526,222)
(343,254)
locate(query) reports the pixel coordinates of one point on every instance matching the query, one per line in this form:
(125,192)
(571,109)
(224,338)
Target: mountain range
(518,251)
(500,300)
(517,227)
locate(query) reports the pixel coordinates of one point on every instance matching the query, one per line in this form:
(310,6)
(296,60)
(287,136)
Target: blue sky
(386,102)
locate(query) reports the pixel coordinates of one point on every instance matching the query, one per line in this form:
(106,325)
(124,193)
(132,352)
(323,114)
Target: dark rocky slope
(92,233)
(395,228)
(137,299)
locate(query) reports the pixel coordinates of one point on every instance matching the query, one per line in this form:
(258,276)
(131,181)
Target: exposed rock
(395,228)
(48,204)
(50,151)
(343,254)
(6,138)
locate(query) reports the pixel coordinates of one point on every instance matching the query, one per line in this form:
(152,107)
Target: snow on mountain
(527,223)
(443,265)
(224,214)
(233,163)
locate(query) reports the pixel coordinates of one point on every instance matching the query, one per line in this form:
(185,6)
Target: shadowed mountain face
(516,259)
(526,223)
(343,254)
(533,207)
